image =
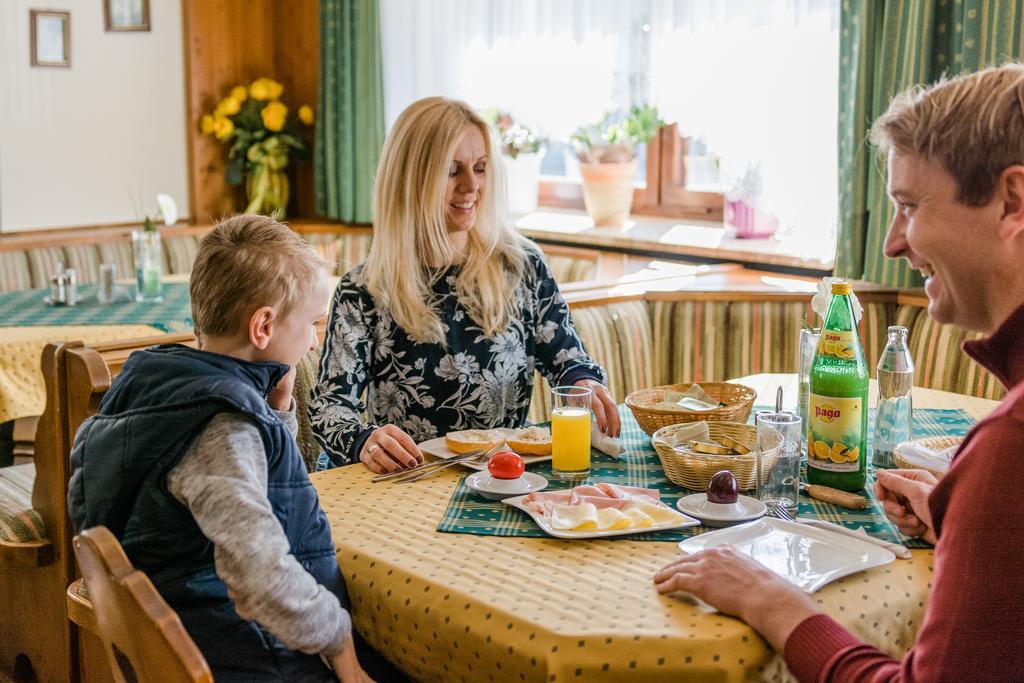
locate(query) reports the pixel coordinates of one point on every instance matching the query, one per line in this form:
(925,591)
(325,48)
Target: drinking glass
(570,432)
(148,265)
(778,459)
(805,359)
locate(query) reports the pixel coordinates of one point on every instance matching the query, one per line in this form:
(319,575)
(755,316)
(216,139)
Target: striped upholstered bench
(19,523)
(27,260)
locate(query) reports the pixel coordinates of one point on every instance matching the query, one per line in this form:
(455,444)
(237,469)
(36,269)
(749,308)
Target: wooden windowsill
(675,238)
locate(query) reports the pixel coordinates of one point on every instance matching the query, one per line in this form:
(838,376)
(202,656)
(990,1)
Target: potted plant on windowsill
(607,154)
(522,150)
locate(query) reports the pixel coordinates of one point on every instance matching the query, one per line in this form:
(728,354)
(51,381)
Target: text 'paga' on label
(833,433)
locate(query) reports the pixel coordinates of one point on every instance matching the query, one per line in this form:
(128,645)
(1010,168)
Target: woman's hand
(904,495)
(388,448)
(605,411)
(735,584)
(346,666)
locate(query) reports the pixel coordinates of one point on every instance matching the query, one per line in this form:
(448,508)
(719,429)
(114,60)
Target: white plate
(542,522)
(438,449)
(806,556)
(497,489)
(745,509)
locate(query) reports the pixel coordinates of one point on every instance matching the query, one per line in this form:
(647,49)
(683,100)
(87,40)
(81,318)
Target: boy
(191,462)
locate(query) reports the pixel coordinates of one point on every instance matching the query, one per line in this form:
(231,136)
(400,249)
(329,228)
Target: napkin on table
(917,454)
(609,445)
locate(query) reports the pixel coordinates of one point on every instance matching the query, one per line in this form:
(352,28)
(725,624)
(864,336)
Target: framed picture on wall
(51,37)
(126,15)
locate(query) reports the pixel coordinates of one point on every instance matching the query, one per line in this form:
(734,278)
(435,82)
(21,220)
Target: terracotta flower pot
(608,191)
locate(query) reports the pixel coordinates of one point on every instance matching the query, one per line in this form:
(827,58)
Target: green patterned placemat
(469,513)
(26,307)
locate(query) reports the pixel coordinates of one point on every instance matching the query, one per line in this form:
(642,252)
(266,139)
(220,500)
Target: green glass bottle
(837,412)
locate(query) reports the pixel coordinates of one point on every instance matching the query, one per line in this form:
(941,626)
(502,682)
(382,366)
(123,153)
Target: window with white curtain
(750,82)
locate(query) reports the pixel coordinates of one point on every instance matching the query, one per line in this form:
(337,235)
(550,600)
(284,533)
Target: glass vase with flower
(255,123)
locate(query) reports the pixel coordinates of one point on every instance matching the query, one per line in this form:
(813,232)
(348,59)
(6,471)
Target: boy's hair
(973,125)
(246,262)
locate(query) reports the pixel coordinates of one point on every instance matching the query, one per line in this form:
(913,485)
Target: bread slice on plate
(531,441)
(475,439)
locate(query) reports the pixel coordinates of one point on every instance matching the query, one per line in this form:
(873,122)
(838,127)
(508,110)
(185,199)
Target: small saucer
(745,509)
(497,489)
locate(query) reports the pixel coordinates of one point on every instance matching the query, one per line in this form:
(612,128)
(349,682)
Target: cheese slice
(638,518)
(659,513)
(609,519)
(574,517)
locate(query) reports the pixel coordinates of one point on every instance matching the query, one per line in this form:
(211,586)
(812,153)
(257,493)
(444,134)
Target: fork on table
(435,466)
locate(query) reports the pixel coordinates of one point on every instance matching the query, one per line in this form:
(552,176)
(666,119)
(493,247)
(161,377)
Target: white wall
(83,146)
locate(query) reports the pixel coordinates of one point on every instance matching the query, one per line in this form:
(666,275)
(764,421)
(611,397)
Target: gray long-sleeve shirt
(222,479)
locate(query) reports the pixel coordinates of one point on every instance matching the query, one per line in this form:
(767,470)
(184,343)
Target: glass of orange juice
(570,432)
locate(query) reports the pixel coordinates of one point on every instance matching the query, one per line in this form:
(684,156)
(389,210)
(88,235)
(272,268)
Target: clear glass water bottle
(894,417)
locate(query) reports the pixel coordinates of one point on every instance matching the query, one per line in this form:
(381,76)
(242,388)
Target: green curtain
(887,46)
(350,130)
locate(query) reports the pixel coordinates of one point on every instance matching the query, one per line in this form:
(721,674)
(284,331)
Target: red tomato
(506,465)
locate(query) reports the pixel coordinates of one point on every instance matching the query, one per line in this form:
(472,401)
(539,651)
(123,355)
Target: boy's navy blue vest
(160,402)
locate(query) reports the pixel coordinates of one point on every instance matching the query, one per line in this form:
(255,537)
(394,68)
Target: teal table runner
(469,513)
(26,307)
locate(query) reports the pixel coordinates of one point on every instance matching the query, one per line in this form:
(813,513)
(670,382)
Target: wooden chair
(37,639)
(143,637)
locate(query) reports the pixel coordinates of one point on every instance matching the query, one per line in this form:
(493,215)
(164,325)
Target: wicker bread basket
(936,443)
(694,470)
(738,400)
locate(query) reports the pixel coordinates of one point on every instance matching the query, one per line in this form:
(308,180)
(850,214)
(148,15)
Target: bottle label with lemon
(838,344)
(834,432)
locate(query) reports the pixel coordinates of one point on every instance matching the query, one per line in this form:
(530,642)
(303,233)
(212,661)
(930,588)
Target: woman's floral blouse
(475,382)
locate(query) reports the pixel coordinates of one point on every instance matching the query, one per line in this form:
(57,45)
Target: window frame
(666,195)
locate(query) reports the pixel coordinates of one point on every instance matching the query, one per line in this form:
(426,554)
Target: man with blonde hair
(191,462)
(956,176)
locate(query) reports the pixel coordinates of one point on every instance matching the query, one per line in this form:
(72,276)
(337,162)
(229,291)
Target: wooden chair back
(37,639)
(143,637)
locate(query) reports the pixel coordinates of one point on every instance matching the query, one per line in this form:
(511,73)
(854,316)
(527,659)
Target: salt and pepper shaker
(108,273)
(63,287)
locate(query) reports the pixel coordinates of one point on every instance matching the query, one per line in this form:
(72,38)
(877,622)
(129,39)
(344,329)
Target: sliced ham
(602,502)
(541,502)
(626,492)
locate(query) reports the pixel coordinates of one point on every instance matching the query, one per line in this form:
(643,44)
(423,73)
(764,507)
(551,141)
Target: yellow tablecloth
(22,391)
(457,607)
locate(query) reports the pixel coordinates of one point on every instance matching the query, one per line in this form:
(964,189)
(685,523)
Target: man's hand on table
(904,496)
(605,411)
(737,585)
(346,666)
(388,449)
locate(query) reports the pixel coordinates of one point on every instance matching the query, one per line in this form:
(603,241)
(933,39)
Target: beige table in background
(458,607)
(22,392)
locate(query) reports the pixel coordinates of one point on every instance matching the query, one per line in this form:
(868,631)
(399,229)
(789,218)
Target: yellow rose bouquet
(255,123)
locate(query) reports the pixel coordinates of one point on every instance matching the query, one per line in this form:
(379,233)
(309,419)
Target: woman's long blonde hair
(410,243)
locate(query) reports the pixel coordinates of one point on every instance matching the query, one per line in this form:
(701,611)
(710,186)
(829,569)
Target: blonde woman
(445,322)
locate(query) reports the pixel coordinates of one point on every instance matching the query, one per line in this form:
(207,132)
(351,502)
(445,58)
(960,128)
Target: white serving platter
(808,557)
(542,522)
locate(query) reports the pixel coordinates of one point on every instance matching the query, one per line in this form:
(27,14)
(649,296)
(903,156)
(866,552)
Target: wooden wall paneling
(227,42)
(297,67)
